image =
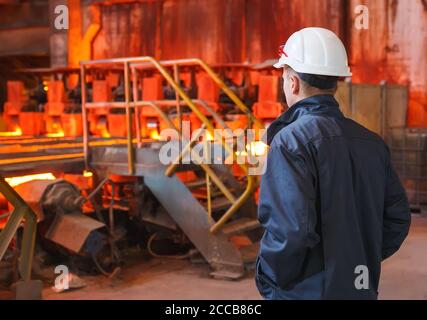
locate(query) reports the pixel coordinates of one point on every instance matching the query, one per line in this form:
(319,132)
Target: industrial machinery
(206,202)
(89,167)
(98,185)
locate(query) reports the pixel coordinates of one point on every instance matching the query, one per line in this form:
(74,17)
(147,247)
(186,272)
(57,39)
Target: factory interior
(88,89)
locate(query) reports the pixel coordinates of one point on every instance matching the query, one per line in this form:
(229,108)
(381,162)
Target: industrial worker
(331,203)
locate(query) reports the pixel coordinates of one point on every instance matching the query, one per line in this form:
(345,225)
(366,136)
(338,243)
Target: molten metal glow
(58,134)
(87,174)
(105,133)
(16,133)
(154,134)
(14,181)
(257,148)
(57,131)
(209,136)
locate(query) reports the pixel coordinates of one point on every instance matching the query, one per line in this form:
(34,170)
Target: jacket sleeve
(288,214)
(397,215)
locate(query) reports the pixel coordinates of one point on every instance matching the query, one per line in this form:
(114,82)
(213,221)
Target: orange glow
(102,130)
(257,148)
(209,136)
(14,181)
(87,174)
(105,133)
(154,134)
(58,134)
(17,132)
(56,130)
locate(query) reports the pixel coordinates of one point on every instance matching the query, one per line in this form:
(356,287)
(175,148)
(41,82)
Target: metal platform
(23,155)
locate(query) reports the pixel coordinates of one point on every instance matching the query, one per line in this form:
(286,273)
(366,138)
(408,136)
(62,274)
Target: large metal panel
(393,49)
(270,23)
(343,97)
(397,105)
(376,107)
(212,30)
(366,106)
(193,219)
(127,30)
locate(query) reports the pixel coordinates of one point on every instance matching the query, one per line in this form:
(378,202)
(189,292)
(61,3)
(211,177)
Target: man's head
(297,86)
(313,59)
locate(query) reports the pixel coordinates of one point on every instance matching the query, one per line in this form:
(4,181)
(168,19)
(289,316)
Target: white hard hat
(315,51)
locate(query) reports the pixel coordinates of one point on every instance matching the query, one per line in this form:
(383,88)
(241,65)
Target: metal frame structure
(130,65)
(21,212)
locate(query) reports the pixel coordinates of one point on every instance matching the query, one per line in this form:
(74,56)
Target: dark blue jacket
(330,202)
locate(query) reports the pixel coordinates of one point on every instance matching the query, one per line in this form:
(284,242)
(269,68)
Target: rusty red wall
(270,23)
(392,49)
(211,30)
(127,30)
(214,30)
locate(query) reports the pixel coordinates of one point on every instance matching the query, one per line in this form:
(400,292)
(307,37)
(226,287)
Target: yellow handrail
(217,80)
(132,62)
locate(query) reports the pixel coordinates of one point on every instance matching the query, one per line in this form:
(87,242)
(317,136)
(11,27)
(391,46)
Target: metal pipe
(128,120)
(111,212)
(191,62)
(236,205)
(178,105)
(230,197)
(208,195)
(84,117)
(135,98)
(143,62)
(28,244)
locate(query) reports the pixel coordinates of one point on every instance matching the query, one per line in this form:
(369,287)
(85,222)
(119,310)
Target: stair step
(227,275)
(220,203)
(200,194)
(196,183)
(240,226)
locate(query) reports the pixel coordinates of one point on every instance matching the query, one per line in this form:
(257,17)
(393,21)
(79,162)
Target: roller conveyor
(29,155)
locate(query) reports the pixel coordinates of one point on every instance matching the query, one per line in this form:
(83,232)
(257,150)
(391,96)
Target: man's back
(331,204)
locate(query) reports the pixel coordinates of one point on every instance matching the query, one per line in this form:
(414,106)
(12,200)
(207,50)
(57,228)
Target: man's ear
(296,85)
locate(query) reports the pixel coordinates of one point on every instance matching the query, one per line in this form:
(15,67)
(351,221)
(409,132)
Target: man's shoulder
(312,128)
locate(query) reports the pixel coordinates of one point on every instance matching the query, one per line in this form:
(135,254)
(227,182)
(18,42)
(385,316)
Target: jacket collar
(324,104)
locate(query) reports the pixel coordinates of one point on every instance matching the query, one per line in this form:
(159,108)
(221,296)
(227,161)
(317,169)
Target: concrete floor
(404,276)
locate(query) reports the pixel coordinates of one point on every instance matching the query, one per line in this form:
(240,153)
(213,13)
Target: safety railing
(21,212)
(142,62)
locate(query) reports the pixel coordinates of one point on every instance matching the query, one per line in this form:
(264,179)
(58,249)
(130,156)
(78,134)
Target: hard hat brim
(280,63)
(298,67)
